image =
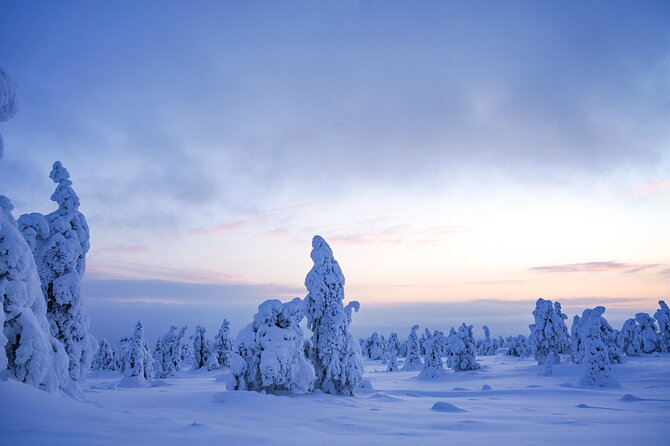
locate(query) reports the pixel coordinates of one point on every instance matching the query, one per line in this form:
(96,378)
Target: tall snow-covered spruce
(335,354)
(548,335)
(59,242)
(138,365)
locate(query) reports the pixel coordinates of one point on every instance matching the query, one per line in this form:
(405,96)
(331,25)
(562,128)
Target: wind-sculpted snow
(335,354)
(30,353)
(268,354)
(59,242)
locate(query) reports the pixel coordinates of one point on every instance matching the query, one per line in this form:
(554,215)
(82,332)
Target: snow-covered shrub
(59,243)
(104,358)
(31,354)
(376,347)
(462,353)
(597,369)
(662,316)
(631,338)
(432,359)
(517,346)
(9,103)
(222,346)
(138,359)
(413,355)
(486,347)
(650,337)
(549,333)
(336,355)
(268,354)
(200,349)
(167,353)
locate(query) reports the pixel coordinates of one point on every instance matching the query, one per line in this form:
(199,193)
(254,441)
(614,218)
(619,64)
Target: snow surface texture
(268,354)
(31,354)
(9,104)
(59,243)
(335,354)
(548,335)
(521,409)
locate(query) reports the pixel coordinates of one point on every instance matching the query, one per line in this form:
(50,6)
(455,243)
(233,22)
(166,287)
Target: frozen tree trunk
(31,354)
(59,243)
(336,355)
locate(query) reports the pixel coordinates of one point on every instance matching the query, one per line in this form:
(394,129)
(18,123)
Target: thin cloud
(223,228)
(652,188)
(125,249)
(139,271)
(594,267)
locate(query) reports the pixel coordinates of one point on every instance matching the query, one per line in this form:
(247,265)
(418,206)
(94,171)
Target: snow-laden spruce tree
(375,347)
(9,103)
(413,354)
(486,347)
(393,345)
(632,338)
(104,358)
(268,354)
(650,337)
(30,353)
(576,344)
(432,359)
(391,361)
(139,364)
(222,346)
(461,350)
(662,316)
(597,369)
(336,356)
(59,242)
(167,353)
(200,349)
(549,334)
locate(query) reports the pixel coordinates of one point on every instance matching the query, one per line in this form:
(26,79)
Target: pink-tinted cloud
(653,188)
(223,228)
(125,249)
(138,271)
(626,268)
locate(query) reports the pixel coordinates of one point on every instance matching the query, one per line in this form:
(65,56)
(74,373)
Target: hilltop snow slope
(195,408)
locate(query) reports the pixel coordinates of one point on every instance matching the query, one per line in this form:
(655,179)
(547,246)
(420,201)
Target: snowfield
(507,401)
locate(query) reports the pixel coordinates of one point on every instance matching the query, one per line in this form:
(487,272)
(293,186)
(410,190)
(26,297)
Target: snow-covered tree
(139,363)
(167,353)
(486,347)
(632,338)
(268,354)
(597,369)
(30,353)
(662,316)
(391,361)
(9,103)
(336,355)
(104,358)
(576,344)
(549,333)
(221,348)
(393,345)
(650,337)
(376,347)
(413,355)
(59,242)
(200,349)
(518,346)
(462,353)
(432,359)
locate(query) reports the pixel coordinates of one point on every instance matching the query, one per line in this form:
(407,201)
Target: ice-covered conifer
(268,354)
(462,353)
(31,354)
(336,355)
(486,347)
(375,347)
(393,345)
(138,359)
(549,332)
(576,344)
(200,349)
(167,354)
(597,369)
(222,345)
(413,355)
(104,358)
(650,337)
(662,316)
(632,338)
(9,103)
(432,360)
(518,346)
(60,241)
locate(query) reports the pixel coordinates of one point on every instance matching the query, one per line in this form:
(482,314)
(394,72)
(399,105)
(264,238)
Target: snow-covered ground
(520,408)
